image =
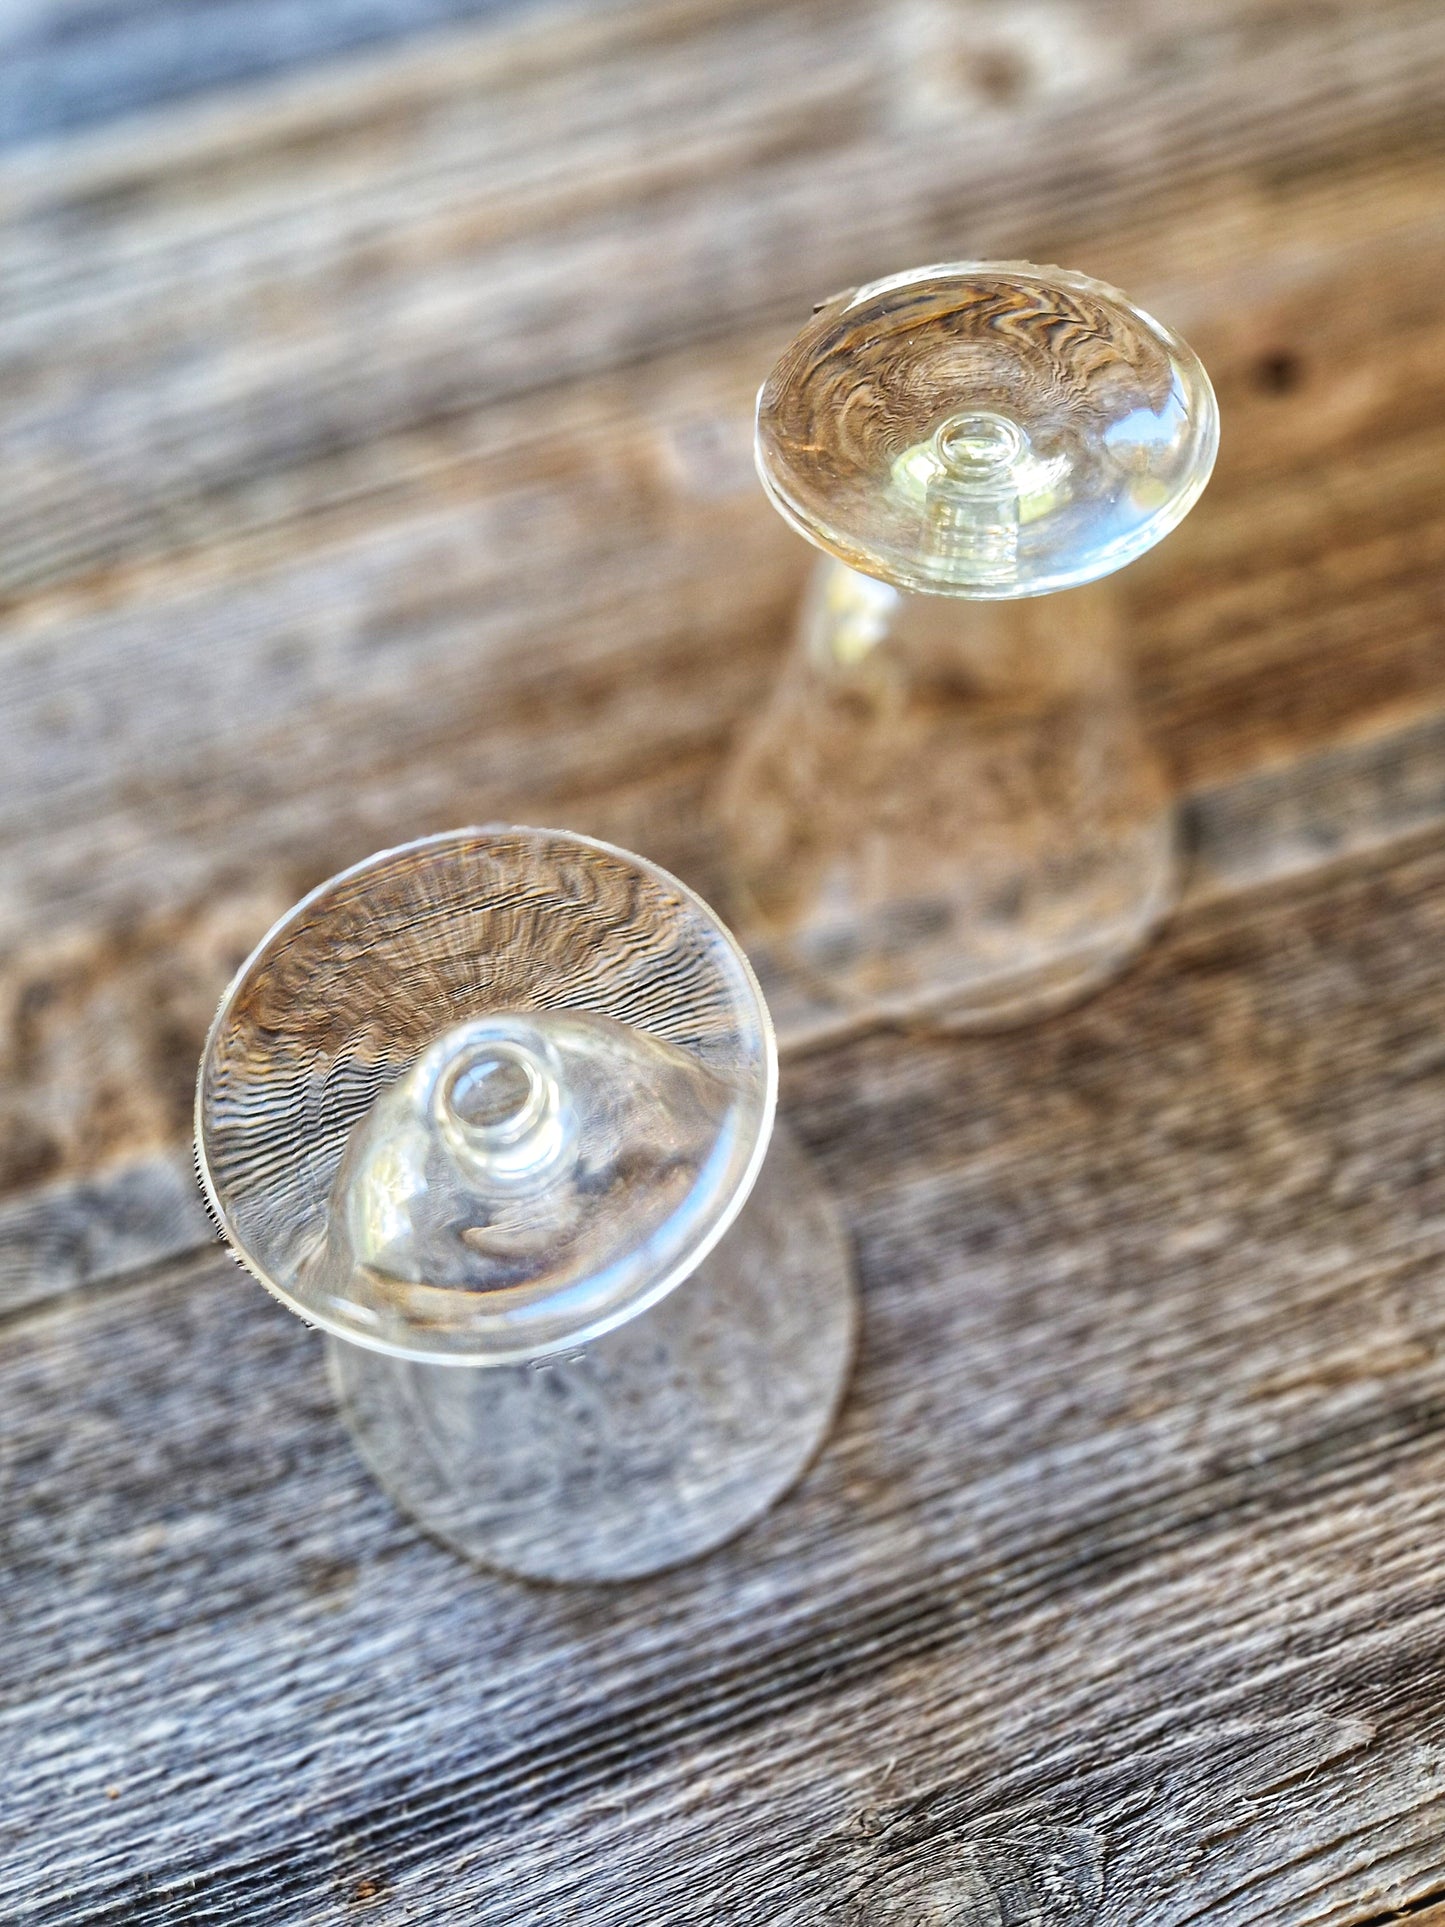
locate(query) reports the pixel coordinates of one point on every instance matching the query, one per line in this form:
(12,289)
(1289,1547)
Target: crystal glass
(949,807)
(494,1110)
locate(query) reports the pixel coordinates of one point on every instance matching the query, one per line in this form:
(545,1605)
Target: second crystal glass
(949,807)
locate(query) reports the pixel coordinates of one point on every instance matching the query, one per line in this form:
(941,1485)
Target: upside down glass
(492,1109)
(949,809)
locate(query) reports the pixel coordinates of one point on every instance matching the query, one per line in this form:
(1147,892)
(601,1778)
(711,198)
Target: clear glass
(651,1444)
(949,807)
(483,1107)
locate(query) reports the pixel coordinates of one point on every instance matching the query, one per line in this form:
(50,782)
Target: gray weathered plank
(62,1237)
(67,66)
(1151,1639)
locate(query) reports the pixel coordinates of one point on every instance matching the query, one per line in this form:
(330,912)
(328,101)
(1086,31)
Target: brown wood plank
(234,662)
(560,612)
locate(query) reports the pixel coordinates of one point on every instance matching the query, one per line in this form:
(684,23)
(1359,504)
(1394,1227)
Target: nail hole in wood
(1279,372)
(1000,74)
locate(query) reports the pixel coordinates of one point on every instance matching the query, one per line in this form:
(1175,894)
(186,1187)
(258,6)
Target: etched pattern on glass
(484,1107)
(662,1438)
(949,810)
(332,1110)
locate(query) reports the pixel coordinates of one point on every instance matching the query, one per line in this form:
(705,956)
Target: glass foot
(949,809)
(657,1442)
(1026,994)
(986,429)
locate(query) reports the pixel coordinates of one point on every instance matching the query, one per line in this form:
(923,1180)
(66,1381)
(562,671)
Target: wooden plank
(57,1238)
(542,607)
(70,66)
(1342,804)
(376,456)
(263,617)
(1148,1640)
(271,297)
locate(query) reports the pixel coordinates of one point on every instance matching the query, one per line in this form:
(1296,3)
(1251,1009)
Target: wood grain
(376,456)
(1117,1591)
(72,66)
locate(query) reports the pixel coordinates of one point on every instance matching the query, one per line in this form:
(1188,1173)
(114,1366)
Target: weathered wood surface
(65,66)
(1118,1592)
(376,458)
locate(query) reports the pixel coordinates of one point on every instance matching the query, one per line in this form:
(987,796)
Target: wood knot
(1017,1872)
(1001,74)
(1279,372)
(369,1888)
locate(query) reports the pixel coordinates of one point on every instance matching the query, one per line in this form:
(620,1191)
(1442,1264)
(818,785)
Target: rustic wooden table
(375,460)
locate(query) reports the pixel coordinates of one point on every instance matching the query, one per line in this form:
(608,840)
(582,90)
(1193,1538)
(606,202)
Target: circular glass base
(662,1439)
(485,1095)
(986,429)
